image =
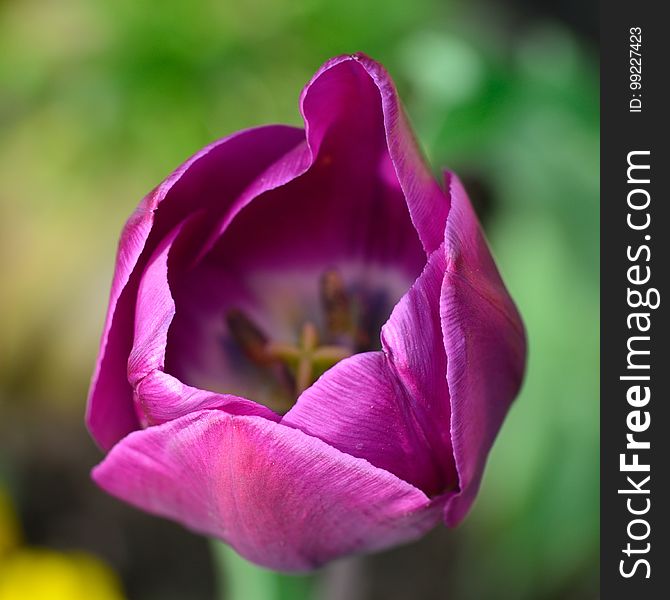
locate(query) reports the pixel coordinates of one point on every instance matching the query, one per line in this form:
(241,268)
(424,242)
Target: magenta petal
(332,90)
(348,207)
(160,397)
(412,340)
(281,498)
(153,313)
(392,408)
(360,408)
(485,344)
(194,185)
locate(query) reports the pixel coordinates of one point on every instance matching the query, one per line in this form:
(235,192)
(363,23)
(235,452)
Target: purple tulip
(308,350)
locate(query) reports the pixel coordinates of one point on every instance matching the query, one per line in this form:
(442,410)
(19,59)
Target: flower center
(293,367)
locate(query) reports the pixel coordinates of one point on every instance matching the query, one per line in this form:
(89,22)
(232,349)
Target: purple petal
(485,344)
(196,184)
(340,206)
(281,498)
(341,83)
(349,205)
(412,340)
(360,408)
(153,313)
(159,397)
(428,409)
(392,408)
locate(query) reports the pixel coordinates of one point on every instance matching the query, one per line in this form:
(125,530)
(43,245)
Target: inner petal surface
(347,214)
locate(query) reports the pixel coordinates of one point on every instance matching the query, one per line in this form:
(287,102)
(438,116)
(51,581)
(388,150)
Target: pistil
(307,358)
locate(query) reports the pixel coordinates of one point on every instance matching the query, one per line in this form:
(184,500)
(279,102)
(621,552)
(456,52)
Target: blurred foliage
(100,99)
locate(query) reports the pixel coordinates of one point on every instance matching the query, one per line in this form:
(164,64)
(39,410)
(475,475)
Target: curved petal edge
(281,498)
(485,344)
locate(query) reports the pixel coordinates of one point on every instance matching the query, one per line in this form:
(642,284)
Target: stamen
(336,303)
(294,367)
(254,344)
(251,340)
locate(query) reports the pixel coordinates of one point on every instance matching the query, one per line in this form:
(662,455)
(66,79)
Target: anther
(249,337)
(336,303)
(255,346)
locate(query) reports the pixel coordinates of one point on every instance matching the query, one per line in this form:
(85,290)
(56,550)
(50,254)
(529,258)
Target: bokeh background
(100,99)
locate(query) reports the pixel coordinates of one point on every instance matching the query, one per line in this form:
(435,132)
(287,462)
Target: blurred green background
(99,100)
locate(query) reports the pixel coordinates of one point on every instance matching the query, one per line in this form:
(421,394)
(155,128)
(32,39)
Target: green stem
(238,579)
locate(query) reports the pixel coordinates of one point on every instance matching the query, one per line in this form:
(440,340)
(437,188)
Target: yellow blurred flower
(41,574)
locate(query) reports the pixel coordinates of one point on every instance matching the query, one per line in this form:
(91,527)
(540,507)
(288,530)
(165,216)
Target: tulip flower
(308,350)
